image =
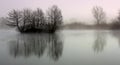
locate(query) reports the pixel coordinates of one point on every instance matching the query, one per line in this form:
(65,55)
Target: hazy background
(78,10)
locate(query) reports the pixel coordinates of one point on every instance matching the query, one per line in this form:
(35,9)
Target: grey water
(66,47)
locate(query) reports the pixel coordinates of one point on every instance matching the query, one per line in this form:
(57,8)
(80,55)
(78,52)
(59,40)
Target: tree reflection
(55,48)
(116,33)
(100,42)
(36,44)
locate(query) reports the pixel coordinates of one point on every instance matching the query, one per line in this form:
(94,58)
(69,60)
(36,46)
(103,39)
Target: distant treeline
(28,20)
(100,21)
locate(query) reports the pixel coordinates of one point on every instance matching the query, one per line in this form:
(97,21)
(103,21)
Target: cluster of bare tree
(36,21)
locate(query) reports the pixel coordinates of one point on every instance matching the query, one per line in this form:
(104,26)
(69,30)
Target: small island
(28,20)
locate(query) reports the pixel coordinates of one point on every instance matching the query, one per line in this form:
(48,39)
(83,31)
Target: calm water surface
(68,47)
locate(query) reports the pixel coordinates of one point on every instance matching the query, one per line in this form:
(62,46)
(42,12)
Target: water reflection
(116,33)
(100,41)
(36,44)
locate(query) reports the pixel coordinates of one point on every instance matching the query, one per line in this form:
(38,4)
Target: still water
(67,47)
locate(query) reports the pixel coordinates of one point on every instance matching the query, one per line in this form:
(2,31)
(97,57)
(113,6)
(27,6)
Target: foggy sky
(72,9)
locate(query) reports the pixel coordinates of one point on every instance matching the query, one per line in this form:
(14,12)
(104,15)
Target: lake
(67,47)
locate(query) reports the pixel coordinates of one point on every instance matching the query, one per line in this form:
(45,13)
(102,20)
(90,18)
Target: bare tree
(27,21)
(99,15)
(14,16)
(54,17)
(39,18)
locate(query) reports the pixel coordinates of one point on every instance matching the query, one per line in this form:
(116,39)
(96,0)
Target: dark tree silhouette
(54,18)
(35,21)
(39,18)
(14,17)
(27,21)
(99,15)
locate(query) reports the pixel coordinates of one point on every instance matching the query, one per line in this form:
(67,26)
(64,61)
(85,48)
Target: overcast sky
(72,9)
